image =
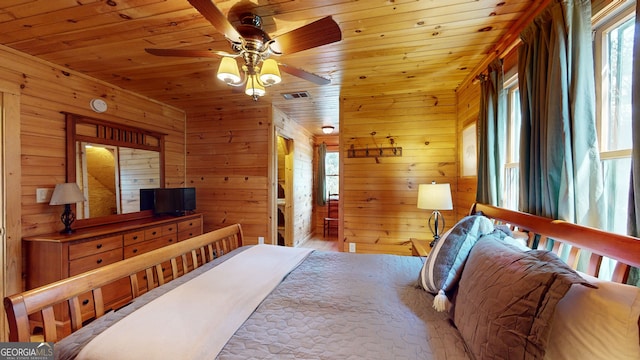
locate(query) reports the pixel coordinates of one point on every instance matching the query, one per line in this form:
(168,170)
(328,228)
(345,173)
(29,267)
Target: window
(511,167)
(613,45)
(332,173)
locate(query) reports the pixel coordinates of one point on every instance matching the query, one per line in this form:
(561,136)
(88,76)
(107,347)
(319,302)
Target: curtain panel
(492,136)
(321,190)
(633,223)
(560,171)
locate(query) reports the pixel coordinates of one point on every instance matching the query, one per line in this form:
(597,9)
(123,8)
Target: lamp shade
(269,73)
(254,88)
(434,197)
(67,193)
(228,71)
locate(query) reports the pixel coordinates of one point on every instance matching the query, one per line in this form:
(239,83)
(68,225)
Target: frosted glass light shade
(228,71)
(270,74)
(67,193)
(434,197)
(327,129)
(254,88)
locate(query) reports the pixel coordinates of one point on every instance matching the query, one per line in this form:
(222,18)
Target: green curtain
(560,175)
(633,223)
(321,191)
(492,135)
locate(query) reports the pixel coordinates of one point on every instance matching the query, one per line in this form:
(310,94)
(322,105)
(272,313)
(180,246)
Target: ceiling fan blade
(316,79)
(211,12)
(318,33)
(188,53)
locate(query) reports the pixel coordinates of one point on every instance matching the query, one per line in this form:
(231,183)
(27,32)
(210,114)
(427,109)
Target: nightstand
(420,247)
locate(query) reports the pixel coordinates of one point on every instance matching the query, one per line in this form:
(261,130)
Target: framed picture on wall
(469,151)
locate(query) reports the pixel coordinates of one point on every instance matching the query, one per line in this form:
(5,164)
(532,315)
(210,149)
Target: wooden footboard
(624,249)
(161,265)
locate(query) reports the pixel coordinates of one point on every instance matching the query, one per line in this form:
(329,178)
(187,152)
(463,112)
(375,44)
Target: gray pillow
(444,264)
(506,299)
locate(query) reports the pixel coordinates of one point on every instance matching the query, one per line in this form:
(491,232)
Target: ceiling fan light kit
(228,71)
(254,46)
(254,87)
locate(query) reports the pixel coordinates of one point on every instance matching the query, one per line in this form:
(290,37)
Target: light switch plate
(43,195)
(352,247)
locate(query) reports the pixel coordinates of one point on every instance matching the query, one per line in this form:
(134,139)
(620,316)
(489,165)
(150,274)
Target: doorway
(284,211)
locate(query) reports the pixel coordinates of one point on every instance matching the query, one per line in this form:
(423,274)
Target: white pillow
(597,323)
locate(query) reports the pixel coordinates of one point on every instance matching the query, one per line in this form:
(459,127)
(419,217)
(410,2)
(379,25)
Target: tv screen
(147,198)
(172,201)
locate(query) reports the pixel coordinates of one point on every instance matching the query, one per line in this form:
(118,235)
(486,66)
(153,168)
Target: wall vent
(296,95)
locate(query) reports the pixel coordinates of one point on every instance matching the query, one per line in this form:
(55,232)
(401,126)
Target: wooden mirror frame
(109,133)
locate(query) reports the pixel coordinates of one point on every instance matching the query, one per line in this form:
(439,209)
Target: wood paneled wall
(228,161)
(468,109)
(379,194)
(44,91)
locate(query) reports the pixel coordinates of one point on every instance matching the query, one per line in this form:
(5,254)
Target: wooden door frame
(10,192)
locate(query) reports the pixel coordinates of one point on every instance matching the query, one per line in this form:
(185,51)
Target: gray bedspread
(332,306)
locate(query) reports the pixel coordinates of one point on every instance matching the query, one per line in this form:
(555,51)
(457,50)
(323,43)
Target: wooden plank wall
(227,162)
(468,109)
(45,91)
(379,195)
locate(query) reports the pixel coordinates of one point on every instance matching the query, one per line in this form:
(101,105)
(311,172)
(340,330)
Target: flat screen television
(168,201)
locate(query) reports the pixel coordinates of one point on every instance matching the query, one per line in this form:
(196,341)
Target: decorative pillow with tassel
(443,267)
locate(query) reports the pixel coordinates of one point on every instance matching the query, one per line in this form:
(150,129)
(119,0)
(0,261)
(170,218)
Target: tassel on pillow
(440,301)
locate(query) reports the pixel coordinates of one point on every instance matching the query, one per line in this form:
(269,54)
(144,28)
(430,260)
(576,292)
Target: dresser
(55,256)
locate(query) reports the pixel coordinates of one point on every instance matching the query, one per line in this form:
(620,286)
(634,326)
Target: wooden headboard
(622,248)
(161,265)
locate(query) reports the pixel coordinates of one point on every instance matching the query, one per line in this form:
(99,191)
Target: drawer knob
(85,301)
(99,246)
(153,233)
(135,251)
(135,237)
(99,261)
(170,240)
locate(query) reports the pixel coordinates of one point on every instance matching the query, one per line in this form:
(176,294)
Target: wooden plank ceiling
(387,46)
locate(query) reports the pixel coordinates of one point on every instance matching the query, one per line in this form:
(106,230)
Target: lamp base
(436,227)
(67,218)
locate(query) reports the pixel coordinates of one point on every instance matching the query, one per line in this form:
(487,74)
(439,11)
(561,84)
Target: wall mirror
(110,163)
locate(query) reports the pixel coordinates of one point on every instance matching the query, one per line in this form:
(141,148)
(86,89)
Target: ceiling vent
(296,95)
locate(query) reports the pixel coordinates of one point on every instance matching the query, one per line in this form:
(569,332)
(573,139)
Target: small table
(420,247)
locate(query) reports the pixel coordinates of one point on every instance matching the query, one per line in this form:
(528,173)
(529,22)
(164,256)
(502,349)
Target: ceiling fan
(255,47)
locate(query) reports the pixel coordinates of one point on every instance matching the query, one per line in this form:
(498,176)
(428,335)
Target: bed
(481,293)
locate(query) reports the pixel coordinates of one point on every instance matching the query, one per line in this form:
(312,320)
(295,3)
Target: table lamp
(435,197)
(66,194)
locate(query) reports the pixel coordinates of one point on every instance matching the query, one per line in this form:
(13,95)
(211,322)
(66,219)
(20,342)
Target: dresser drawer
(184,235)
(152,233)
(193,224)
(149,245)
(169,229)
(91,247)
(94,261)
(133,237)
